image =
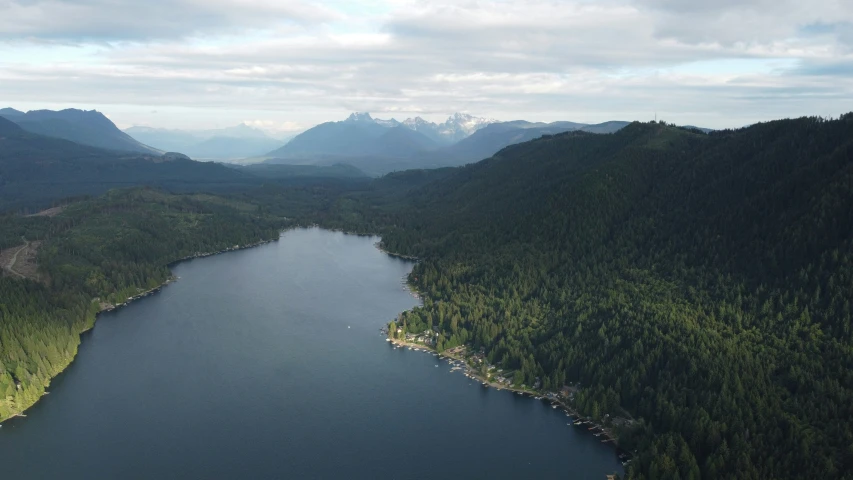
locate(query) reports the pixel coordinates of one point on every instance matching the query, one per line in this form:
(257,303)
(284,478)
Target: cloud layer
(296,63)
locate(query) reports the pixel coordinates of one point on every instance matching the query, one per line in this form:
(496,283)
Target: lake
(268,363)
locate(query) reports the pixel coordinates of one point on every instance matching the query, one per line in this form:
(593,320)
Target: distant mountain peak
(390,123)
(415,122)
(468,120)
(359,117)
(10,112)
(86,127)
(461,125)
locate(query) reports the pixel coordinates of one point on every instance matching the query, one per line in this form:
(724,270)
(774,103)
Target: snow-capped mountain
(391,123)
(358,117)
(455,128)
(427,129)
(418,122)
(462,125)
(362,134)
(378,146)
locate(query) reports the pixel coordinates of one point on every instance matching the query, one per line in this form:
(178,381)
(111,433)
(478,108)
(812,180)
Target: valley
(571,259)
(384,239)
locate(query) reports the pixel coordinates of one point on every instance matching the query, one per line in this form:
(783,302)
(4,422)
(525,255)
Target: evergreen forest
(698,283)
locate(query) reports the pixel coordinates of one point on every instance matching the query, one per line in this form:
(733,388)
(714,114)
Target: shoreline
(556,402)
(378,246)
(107,307)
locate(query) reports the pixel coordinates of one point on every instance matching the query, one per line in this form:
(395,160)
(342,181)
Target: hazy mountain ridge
(492,138)
(415,142)
(358,134)
(85,127)
(36,170)
(378,146)
(8,112)
(230,143)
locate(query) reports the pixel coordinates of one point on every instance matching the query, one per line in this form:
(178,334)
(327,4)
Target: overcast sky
(286,65)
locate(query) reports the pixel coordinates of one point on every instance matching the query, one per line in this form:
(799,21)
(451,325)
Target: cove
(268,363)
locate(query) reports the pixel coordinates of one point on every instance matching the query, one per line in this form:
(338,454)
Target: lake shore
(397,255)
(469,371)
(107,307)
(556,401)
(282,312)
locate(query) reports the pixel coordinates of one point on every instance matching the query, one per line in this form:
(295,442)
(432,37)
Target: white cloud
(718,64)
(115,20)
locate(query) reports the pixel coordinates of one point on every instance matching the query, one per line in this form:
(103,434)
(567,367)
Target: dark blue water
(267,363)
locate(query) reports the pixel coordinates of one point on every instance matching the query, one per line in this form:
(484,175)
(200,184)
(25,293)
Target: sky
(284,66)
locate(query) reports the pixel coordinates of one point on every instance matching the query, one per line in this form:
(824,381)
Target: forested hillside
(37,171)
(101,251)
(700,282)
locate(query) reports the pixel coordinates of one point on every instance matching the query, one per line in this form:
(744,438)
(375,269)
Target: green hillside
(36,171)
(699,282)
(101,251)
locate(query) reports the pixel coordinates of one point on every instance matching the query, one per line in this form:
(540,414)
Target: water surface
(268,363)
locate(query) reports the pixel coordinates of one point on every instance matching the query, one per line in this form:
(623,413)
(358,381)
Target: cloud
(278,129)
(737,21)
(716,64)
(77,21)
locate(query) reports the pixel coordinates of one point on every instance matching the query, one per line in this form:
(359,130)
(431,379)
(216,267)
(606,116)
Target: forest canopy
(700,283)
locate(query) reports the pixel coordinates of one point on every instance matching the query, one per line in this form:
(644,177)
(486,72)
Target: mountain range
(362,135)
(492,138)
(233,143)
(455,128)
(374,146)
(378,146)
(85,127)
(691,290)
(37,169)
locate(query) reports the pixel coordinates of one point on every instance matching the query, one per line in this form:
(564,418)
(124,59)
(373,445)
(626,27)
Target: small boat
(436,366)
